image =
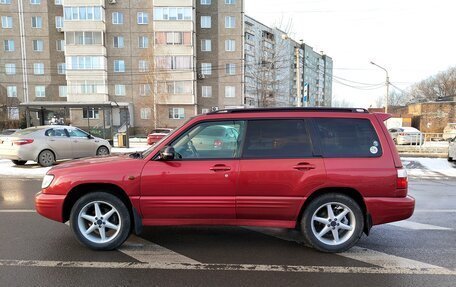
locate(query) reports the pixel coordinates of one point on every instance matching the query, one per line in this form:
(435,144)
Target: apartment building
(279,71)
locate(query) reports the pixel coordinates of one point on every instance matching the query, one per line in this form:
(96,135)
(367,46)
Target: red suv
(331,173)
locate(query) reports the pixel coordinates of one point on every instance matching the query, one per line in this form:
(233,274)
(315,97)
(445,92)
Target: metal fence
(425,143)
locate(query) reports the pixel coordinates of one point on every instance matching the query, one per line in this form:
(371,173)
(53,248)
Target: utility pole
(298,79)
(387,83)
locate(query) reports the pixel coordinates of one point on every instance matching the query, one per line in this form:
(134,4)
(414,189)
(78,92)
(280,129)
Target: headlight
(47,180)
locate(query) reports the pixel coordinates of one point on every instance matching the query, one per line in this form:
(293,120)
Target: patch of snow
(30,170)
(436,167)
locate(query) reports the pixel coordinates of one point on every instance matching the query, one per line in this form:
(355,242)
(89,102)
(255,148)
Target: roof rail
(290,109)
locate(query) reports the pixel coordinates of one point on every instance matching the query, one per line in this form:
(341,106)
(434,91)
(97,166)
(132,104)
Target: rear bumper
(389,209)
(50,205)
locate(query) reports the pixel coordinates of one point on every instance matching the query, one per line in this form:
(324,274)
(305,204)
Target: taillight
(401,182)
(218,143)
(22,142)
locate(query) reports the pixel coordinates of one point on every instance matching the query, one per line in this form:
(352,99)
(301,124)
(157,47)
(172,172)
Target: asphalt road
(418,252)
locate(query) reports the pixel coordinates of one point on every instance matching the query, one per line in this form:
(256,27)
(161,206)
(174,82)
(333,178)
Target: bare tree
(435,87)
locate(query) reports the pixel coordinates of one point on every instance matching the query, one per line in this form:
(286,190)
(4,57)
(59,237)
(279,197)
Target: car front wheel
(46,158)
(102,151)
(100,221)
(332,223)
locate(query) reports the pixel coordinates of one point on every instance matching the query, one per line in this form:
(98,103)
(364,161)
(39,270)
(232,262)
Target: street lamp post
(387,83)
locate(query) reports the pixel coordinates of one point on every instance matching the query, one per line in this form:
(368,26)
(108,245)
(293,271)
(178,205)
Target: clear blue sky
(413,39)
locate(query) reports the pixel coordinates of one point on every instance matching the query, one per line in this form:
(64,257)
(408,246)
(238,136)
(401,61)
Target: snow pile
(429,167)
(30,170)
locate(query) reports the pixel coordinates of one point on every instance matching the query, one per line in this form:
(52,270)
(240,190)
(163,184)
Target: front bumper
(50,205)
(389,209)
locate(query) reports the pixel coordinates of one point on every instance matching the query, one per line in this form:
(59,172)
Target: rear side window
(277,139)
(347,138)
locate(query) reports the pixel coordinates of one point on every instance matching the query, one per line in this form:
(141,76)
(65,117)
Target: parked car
(452,150)
(407,136)
(8,132)
(449,132)
(47,144)
(330,173)
(156,135)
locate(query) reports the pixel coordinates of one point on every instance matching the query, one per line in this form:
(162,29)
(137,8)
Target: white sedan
(47,144)
(406,135)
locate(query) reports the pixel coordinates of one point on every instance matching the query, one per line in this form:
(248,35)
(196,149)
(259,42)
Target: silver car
(406,135)
(452,150)
(46,144)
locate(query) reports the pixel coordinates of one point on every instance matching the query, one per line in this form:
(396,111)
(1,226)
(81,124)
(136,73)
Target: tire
(102,151)
(84,218)
(46,158)
(19,162)
(450,159)
(318,207)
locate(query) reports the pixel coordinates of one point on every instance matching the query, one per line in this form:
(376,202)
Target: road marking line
(227,267)
(384,260)
(148,252)
(436,210)
(417,226)
(365,255)
(17,211)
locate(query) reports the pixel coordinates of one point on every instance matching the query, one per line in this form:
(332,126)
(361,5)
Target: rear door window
(347,137)
(277,139)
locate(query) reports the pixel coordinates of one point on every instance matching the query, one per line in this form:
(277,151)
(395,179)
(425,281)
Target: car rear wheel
(19,162)
(102,151)
(100,221)
(332,223)
(46,158)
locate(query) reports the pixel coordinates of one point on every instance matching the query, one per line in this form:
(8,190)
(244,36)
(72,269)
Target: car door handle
(304,166)
(220,167)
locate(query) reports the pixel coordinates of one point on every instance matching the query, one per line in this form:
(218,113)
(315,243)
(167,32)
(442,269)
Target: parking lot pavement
(420,251)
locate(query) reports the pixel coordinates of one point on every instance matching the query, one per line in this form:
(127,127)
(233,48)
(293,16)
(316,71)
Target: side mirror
(90,137)
(168,153)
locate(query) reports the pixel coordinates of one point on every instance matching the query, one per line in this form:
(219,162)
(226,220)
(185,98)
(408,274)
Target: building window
(230,91)
(61,68)
(230,69)
(40,91)
(174,62)
(119,66)
(230,22)
(143,18)
(85,63)
(206,22)
(10,69)
(11,91)
(173,13)
(87,87)
(118,42)
(38,68)
(58,2)
(117,18)
(38,45)
(177,113)
(173,38)
(58,22)
(175,87)
(120,90)
(7,22)
(143,66)
(143,42)
(206,45)
(35,2)
(83,13)
(13,113)
(60,44)
(63,91)
(206,91)
(8,45)
(5,2)
(230,45)
(144,90)
(145,113)
(205,2)
(230,2)
(206,68)
(90,113)
(205,111)
(37,22)
(84,38)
